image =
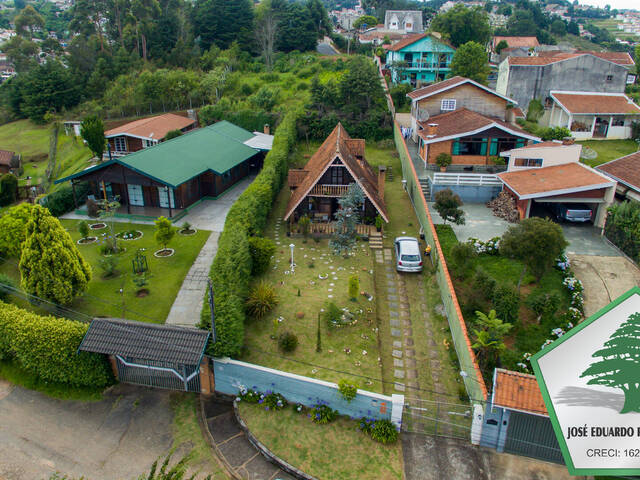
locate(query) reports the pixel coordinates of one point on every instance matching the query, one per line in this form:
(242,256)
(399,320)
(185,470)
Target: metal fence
(474,383)
(437,418)
(159,374)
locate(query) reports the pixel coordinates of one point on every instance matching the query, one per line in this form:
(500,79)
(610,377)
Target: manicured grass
(103,297)
(25,138)
(528,332)
(608,150)
(188,436)
(14,373)
(333,451)
(314,294)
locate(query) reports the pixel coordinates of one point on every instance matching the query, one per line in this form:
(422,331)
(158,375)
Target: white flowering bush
(490,247)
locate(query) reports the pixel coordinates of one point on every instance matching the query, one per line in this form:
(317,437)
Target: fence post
(397,406)
(437,415)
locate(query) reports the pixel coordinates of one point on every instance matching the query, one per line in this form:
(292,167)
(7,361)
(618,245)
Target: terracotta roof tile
(339,144)
(517,391)
(6,157)
(515,42)
(567,177)
(518,113)
(615,103)
(626,169)
(152,127)
(462,121)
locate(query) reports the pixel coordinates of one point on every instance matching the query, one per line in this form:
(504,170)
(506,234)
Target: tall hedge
(232,266)
(47,347)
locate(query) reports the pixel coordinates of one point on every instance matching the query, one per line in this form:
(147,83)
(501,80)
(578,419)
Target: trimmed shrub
(83,228)
(233,264)
(262,249)
(262,299)
(13,229)
(8,189)
(173,134)
(288,342)
(47,347)
(354,287)
(61,201)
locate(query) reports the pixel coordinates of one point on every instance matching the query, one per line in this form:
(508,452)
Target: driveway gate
(436,418)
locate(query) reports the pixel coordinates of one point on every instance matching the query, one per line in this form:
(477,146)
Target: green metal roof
(218,147)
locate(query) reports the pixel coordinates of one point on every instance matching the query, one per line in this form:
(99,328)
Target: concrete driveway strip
(116,438)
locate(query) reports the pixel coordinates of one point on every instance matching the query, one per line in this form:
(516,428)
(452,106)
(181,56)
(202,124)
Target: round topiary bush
(288,342)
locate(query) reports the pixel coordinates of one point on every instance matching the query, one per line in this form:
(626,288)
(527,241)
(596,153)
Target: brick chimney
(432,129)
(382,174)
(568,141)
(267,129)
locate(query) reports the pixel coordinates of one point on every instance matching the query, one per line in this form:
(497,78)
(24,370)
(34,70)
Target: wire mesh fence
(437,418)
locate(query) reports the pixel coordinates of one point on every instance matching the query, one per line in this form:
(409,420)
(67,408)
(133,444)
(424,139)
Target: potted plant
(379,223)
(443,160)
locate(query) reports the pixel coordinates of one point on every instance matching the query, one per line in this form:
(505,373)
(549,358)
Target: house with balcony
(338,163)
(419,60)
(144,133)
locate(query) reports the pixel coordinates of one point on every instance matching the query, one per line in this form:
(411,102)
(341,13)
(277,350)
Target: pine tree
(347,217)
(50,265)
(620,363)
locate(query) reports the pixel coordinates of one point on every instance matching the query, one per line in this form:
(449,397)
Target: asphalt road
(325,48)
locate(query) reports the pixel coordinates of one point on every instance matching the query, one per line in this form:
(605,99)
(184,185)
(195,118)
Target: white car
(408,258)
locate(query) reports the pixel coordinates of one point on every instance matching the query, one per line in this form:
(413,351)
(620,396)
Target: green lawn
(608,150)
(529,332)
(332,451)
(103,297)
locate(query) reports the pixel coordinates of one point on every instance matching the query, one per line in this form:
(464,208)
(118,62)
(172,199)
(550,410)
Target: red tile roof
(515,42)
(338,145)
(588,103)
(153,127)
(517,391)
(461,122)
(625,169)
(518,113)
(6,157)
(558,179)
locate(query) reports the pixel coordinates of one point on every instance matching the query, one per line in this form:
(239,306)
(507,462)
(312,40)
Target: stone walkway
(405,369)
(187,306)
(233,447)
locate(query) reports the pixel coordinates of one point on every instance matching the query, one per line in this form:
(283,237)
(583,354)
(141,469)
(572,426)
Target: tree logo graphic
(620,364)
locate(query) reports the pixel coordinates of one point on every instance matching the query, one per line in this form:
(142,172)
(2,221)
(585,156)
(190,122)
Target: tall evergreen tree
(50,265)
(347,217)
(92,131)
(222,22)
(620,363)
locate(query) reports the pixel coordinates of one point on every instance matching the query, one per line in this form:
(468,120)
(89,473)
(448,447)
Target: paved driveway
(118,437)
(211,214)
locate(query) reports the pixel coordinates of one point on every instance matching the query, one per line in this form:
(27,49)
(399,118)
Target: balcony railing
(428,65)
(329,190)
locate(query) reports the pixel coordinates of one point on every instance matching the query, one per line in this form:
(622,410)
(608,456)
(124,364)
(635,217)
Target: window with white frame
(120,143)
(448,104)
(147,143)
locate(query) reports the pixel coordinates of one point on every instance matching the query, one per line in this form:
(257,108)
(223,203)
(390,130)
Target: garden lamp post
(293,265)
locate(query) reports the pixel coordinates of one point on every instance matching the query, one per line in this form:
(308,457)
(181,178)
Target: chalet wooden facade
(338,163)
(170,177)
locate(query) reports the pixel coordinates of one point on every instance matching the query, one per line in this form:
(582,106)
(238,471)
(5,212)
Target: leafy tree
(536,242)
(222,22)
(461,25)
(489,337)
(448,206)
(462,257)
(92,131)
(555,133)
(636,56)
(502,44)
(559,28)
(319,16)
(266,31)
(28,21)
(13,229)
(347,217)
(83,228)
(354,287)
(173,134)
(8,189)
(88,19)
(164,231)
(21,52)
(573,28)
(522,23)
(50,265)
(360,86)
(619,364)
(296,30)
(622,227)
(368,20)
(470,60)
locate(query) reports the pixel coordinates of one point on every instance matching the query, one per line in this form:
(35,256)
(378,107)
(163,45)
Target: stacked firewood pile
(504,206)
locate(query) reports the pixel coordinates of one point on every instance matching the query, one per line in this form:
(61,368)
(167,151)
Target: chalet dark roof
(145,341)
(351,152)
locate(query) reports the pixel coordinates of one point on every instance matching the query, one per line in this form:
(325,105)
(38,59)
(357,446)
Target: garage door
(532,436)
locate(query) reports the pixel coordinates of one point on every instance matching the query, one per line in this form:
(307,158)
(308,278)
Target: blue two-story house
(419,60)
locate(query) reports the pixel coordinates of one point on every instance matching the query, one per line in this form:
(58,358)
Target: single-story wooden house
(469,137)
(325,178)
(145,133)
(171,176)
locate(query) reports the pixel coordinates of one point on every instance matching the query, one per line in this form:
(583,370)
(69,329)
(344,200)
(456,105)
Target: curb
(268,454)
(209,438)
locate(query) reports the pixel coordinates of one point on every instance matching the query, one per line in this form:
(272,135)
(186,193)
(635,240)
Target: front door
(136,198)
(602,126)
(164,194)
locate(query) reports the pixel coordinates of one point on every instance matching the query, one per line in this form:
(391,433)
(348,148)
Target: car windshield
(410,258)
